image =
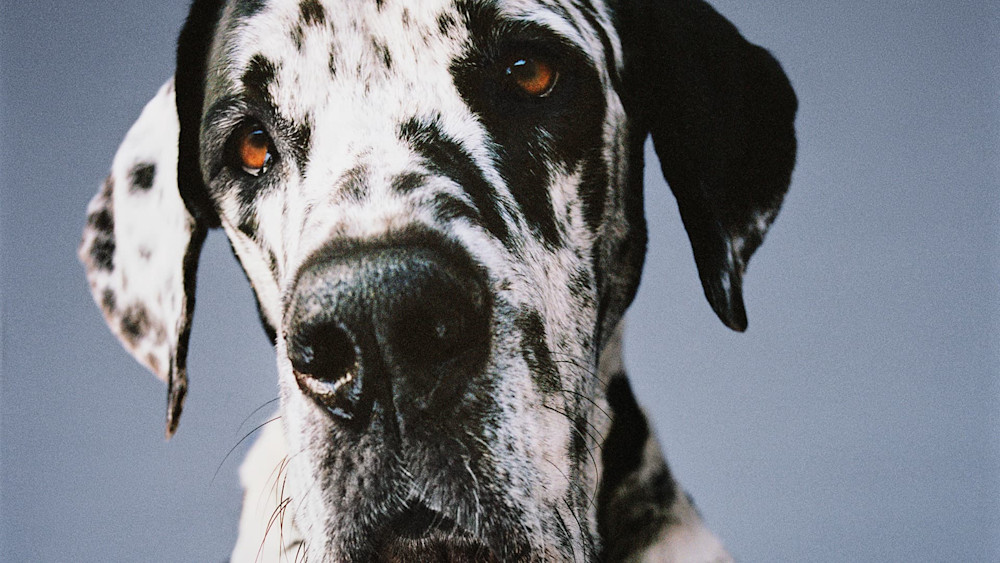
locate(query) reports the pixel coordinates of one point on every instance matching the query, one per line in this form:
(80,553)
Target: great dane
(439,206)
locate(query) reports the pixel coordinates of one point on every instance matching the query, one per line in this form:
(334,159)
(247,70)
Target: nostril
(326,363)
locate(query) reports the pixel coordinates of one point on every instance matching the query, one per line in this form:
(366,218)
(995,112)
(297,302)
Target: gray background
(857,420)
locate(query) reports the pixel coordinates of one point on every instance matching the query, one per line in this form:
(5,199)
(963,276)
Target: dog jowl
(439,207)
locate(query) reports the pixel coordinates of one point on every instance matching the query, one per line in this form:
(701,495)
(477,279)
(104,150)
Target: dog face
(438,205)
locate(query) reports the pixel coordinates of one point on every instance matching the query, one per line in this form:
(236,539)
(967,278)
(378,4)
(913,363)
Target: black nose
(400,325)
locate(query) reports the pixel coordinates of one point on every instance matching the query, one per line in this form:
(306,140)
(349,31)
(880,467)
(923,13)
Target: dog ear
(721,113)
(140,249)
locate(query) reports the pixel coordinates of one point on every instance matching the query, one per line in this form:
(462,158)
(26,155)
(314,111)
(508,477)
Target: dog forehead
(365,42)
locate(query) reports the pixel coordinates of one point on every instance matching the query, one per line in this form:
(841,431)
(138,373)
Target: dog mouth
(420,533)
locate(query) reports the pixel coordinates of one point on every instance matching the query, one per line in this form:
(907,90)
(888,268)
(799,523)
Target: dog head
(439,207)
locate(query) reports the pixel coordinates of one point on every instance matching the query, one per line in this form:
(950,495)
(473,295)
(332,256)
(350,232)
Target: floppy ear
(140,248)
(721,112)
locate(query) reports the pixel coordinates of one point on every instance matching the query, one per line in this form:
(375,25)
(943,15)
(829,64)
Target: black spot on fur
(445,156)
(630,515)
(311,12)
(353,183)
(383,51)
(535,351)
(134,324)
(257,79)
(405,183)
(247,8)
(297,36)
(109,302)
(445,24)
(102,250)
(102,221)
(249,227)
(332,64)
(379,4)
(141,177)
(301,140)
(578,446)
(623,447)
(448,208)
(405,18)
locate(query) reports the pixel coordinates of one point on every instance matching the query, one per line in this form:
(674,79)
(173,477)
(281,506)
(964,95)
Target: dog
(439,207)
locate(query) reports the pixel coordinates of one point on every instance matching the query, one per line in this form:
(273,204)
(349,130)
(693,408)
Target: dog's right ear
(140,248)
(146,225)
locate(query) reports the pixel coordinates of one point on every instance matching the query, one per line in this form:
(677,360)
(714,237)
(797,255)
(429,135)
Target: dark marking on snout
(445,156)
(353,183)
(535,350)
(141,177)
(257,79)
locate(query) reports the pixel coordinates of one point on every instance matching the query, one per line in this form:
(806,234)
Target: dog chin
(433,548)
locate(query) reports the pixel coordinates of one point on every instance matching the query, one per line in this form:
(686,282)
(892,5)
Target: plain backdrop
(857,420)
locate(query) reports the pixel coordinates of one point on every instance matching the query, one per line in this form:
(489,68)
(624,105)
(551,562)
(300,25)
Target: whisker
(241,440)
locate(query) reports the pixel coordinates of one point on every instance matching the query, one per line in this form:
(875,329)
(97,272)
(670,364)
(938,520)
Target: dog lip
(420,533)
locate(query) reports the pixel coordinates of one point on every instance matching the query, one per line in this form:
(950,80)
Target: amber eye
(253,149)
(535,77)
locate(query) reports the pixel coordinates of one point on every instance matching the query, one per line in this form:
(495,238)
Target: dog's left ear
(721,113)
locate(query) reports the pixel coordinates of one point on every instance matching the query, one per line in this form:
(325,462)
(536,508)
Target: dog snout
(394,328)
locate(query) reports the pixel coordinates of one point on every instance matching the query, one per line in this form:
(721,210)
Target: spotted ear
(721,113)
(140,249)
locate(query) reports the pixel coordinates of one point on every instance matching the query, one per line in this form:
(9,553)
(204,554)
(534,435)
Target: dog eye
(252,149)
(535,77)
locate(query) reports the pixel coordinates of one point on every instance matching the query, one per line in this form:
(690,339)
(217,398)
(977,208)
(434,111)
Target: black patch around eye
(535,136)
(445,156)
(141,177)
(311,12)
